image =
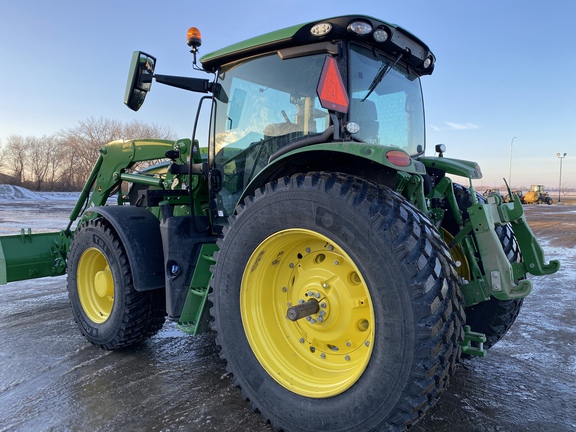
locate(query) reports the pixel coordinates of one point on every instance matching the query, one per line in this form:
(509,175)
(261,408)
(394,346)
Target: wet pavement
(51,379)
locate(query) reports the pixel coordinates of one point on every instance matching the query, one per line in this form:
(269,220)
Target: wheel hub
(304,309)
(95,285)
(313,331)
(103,284)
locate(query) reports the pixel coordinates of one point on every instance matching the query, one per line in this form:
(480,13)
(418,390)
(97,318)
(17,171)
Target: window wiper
(384,69)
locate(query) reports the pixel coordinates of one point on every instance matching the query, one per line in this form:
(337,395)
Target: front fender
(139,231)
(457,167)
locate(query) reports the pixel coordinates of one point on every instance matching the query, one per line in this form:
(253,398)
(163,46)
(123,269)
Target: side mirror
(139,79)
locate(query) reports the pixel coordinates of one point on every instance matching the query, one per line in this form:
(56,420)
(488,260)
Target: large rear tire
(384,340)
(107,308)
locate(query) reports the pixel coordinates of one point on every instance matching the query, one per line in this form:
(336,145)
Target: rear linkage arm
(499,278)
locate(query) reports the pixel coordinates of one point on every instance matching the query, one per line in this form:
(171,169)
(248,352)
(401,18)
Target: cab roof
(415,52)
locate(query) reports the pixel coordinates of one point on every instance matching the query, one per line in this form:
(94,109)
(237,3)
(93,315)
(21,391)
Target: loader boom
(35,255)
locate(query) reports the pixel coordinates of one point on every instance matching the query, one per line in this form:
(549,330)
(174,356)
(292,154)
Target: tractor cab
(351,79)
(277,103)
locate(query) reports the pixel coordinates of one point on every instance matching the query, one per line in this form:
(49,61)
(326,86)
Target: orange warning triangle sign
(331,90)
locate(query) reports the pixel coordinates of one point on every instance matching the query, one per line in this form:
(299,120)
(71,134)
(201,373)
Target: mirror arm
(191,84)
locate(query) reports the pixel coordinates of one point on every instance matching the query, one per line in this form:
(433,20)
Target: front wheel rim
(458,256)
(325,353)
(95,285)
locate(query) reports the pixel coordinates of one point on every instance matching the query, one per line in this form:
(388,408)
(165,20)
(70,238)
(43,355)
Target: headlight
(428,62)
(352,127)
(380,35)
(360,27)
(321,29)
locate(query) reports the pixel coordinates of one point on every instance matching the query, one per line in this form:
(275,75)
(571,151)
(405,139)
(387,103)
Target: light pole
(510,171)
(560,181)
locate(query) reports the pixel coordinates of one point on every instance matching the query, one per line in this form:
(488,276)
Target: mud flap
(182,245)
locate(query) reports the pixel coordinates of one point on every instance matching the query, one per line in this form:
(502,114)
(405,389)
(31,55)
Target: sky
(503,92)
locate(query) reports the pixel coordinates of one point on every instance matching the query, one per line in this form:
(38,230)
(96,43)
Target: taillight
(398,158)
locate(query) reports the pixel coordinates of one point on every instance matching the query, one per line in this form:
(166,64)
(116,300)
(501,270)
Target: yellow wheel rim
(322,354)
(462,266)
(95,285)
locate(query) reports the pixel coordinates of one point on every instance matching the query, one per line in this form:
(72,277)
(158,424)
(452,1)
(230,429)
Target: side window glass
(271,103)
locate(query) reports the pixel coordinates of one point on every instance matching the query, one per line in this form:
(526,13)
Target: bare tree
(138,130)
(81,145)
(42,157)
(64,160)
(15,157)
(2,157)
(84,141)
(62,172)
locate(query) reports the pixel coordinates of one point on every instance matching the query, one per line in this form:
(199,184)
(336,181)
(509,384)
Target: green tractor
(343,271)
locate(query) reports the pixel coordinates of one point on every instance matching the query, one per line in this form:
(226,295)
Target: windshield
(385,101)
(264,104)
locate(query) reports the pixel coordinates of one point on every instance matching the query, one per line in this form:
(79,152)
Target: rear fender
(368,161)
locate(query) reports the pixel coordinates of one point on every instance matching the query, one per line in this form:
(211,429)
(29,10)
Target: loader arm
(34,255)
(119,156)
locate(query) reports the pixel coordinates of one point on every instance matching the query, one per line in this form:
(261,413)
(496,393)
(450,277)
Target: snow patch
(13,193)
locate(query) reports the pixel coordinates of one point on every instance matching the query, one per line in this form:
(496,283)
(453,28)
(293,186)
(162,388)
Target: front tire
(385,339)
(107,308)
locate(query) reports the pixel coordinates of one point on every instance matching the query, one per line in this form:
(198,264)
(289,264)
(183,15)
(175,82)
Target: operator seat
(276,136)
